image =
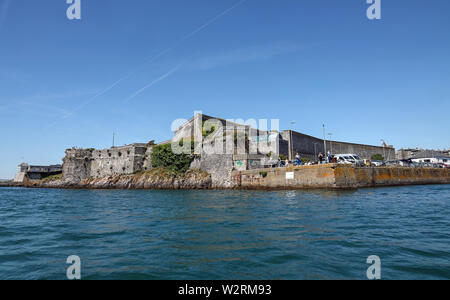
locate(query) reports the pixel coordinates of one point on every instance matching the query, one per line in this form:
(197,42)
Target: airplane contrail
(164,76)
(154,58)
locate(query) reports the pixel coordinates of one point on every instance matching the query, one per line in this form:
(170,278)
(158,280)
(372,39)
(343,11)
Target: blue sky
(132,67)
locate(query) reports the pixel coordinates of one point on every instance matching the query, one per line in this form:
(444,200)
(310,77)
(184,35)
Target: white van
(349,159)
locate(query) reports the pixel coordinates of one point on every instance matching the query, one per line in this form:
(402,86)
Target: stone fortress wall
(80,164)
(308,146)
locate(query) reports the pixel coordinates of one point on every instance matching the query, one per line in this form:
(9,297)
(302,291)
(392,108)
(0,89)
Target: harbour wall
(309,147)
(334,176)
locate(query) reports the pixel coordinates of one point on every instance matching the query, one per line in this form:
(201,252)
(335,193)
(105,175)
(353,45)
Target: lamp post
(291,142)
(324,141)
(331,143)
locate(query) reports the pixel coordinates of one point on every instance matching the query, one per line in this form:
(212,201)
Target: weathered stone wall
(320,176)
(338,176)
(117,161)
(147,162)
(364,151)
(308,146)
(220,168)
(77,164)
(347,176)
(81,164)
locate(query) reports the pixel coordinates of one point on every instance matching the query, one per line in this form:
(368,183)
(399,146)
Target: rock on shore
(154,179)
(8,183)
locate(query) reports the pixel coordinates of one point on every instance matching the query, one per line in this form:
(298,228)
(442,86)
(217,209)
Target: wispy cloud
(4,6)
(244,55)
(156,57)
(164,76)
(44,103)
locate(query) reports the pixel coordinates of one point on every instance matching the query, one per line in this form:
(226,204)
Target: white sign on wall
(289,175)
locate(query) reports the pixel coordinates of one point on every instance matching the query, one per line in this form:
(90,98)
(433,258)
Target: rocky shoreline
(155,179)
(9,184)
(306,177)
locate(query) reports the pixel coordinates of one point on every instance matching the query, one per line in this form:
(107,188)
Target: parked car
(377,163)
(406,163)
(349,159)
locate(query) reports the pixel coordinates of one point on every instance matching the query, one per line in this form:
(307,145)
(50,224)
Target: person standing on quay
(297,158)
(320,158)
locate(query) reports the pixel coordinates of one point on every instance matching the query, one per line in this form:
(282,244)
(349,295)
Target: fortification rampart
(338,176)
(81,164)
(309,147)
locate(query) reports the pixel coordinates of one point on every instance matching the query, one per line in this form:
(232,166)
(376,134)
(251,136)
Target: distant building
(432,159)
(420,153)
(34,172)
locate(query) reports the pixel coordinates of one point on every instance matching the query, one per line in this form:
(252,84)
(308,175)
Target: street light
(331,144)
(291,146)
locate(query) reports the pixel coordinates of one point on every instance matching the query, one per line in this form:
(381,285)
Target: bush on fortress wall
(163,156)
(377,157)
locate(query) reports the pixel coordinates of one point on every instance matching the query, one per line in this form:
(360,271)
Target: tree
(163,156)
(377,157)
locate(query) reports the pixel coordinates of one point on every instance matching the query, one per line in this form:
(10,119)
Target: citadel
(256,149)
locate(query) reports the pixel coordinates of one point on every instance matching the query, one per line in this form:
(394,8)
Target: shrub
(52,178)
(263,174)
(377,157)
(163,156)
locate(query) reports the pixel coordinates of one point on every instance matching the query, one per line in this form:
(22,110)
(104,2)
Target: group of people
(298,160)
(285,163)
(322,157)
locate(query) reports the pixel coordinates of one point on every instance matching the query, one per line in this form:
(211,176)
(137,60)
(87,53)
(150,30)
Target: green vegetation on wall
(163,156)
(377,157)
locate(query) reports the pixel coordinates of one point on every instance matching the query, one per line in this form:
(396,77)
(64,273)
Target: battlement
(80,164)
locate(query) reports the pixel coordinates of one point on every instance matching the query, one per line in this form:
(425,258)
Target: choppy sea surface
(225,234)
